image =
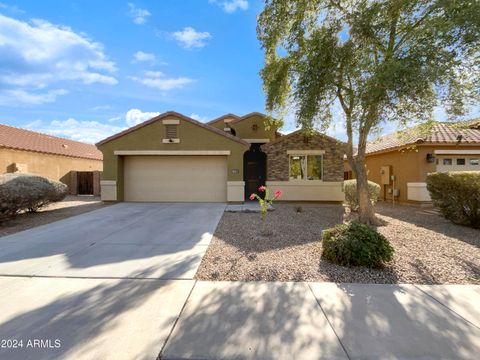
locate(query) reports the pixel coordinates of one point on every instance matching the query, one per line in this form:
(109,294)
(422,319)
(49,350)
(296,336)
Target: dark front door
(254,169)
(85,182)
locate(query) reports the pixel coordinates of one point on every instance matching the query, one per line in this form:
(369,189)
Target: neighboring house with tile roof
(174,158)
(74,163)
(400,162)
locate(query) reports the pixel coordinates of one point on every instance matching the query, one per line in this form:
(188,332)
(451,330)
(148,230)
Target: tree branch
(414,26)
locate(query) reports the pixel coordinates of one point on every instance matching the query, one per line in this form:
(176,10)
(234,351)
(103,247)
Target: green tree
(382,61)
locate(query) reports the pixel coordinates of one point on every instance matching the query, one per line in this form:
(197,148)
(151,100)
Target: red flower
(278,193)
(252,197)
(261,188)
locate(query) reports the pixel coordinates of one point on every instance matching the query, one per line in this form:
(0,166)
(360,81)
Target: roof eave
(175,114)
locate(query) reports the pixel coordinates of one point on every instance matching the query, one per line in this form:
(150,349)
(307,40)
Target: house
(400,162)
(74,163)
(175,158)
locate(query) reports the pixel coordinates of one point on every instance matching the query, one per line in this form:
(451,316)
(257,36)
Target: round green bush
(355,244)
(350,189)
(457,194)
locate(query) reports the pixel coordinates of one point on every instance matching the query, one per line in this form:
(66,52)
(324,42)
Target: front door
(254,165)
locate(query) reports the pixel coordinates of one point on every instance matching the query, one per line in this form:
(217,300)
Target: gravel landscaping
(428,248)
(70,206)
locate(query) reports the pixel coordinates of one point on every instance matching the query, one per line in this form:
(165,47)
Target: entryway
(254,169)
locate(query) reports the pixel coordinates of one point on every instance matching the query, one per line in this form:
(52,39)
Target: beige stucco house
(175,158)
(400,162)
(74,163)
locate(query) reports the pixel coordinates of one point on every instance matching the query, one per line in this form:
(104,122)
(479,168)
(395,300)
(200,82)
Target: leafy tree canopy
(382,60)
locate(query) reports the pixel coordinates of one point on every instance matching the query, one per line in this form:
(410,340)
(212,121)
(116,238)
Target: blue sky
(87,69)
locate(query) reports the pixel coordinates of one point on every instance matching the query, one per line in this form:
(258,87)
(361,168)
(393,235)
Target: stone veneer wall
(277,157)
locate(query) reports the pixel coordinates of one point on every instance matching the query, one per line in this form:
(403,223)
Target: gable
(278,155)
(250,126)
(192,135)
(220,123)
(304,141)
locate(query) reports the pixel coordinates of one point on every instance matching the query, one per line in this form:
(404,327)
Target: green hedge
(355,244)
(351,198)
(457,194)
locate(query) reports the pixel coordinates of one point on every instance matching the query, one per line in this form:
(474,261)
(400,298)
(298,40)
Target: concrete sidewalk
(234,320)
(188,319)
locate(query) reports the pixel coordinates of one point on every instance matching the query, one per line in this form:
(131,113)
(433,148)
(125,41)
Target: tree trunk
(366,215)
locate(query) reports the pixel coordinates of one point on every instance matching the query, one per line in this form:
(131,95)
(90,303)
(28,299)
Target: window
(171,131)
(460,161)
(447,161)
(306,167)
(474,161)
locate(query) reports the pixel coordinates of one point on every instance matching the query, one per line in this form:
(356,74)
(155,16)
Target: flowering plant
(265,202)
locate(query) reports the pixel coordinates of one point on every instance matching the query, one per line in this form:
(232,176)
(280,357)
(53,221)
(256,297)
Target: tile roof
(22,139)
(299,131)
(439,133)
(236,118)
(226,116)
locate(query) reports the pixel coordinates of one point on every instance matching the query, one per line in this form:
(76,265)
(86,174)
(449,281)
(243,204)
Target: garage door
(175,178)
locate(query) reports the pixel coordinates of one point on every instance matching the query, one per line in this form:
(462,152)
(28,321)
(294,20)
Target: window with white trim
(474,161)
(306,167)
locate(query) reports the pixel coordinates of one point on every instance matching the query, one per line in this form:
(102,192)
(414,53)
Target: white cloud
(101,107)
(154,74)
(138,15)
(230,6)
(136,116)
(115,118)
(189,38)
(12,8)
(85,131)
(199,118)
(23,97)
(38,54)
(141,56)
(158,80)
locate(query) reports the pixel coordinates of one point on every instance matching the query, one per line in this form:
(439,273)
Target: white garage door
(175,178)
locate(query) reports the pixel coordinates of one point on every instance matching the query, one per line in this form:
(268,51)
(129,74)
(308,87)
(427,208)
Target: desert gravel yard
(70,206)
(428,248)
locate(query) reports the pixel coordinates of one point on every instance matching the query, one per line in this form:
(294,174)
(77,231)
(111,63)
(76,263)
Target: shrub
(355,244)
(350,189)
(457,194)
(27,192)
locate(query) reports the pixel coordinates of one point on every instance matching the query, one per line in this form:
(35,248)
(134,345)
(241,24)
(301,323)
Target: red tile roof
(21,139)
(439,133)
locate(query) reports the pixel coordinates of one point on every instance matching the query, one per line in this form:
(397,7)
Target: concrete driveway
(105,284)
(128,240)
